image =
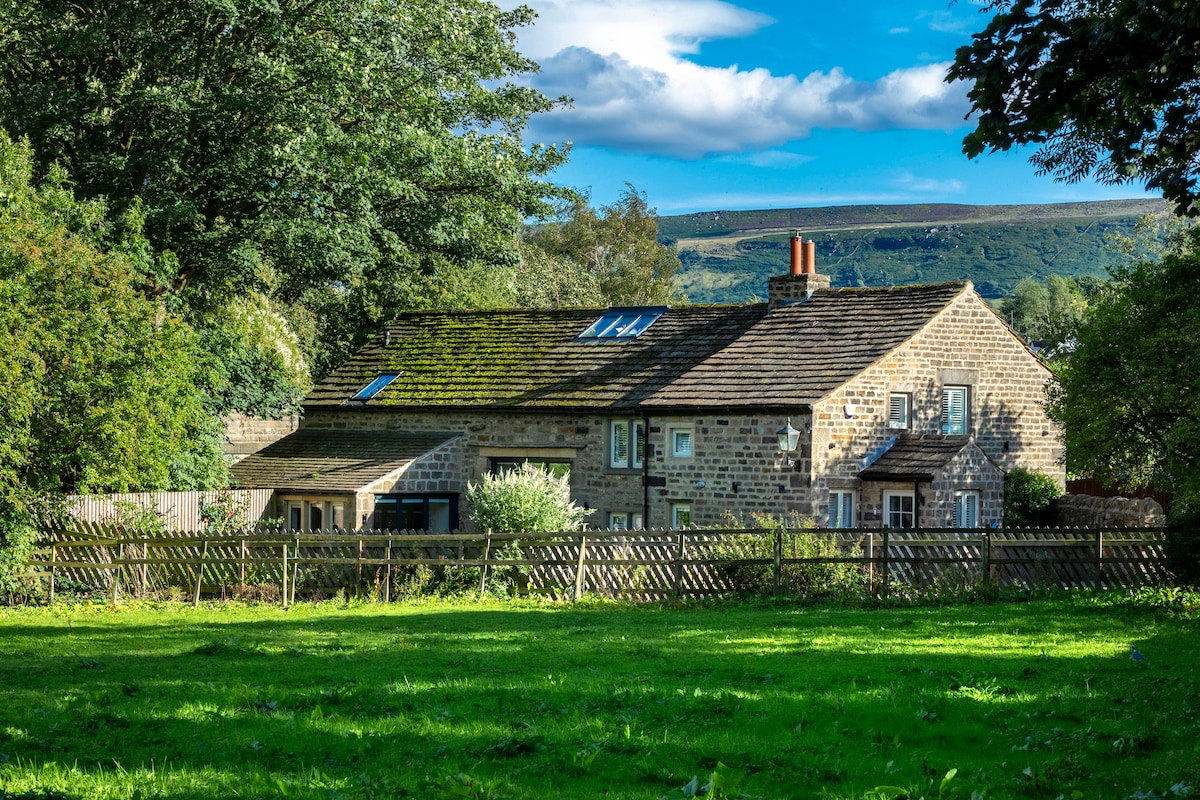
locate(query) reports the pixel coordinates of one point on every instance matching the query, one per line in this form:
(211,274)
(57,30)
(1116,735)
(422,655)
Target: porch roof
(313,460)
(915,458)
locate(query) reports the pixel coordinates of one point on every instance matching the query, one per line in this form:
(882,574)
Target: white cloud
(623,63)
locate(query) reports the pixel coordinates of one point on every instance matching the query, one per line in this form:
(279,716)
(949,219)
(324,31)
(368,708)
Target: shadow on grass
(381,701)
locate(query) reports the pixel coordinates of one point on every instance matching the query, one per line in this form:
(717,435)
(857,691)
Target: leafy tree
(1104,87)
(616,246)
(524,500)
(328,155)
(1127,397)
(97,384)
(1047,312)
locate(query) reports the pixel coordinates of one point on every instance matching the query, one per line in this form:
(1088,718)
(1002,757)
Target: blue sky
(709,105)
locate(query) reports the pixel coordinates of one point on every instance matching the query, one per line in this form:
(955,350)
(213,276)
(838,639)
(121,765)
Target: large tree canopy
(1128,396)
(98,384)
(1105,87)
(331,155)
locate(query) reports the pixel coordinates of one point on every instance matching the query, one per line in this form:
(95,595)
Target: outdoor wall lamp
(789,438)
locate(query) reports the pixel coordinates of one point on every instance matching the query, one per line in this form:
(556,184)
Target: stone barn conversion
(899,407)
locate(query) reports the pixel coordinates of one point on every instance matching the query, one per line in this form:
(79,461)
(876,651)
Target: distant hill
(729,255)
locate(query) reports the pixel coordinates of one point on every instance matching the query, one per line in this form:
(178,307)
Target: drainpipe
(916,504)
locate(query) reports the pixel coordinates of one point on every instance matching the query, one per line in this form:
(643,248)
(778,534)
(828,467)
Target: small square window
(681,515)
(624,521)
(898,410)
(899,510)
(681,442)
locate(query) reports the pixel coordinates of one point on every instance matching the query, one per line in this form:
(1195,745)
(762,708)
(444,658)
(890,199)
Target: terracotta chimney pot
(797,255)
(810,257)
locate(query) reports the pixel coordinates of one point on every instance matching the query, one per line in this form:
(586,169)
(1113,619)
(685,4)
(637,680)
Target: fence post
(778,561)
(483,571)
(387,577)
(295,569)
(358,570)
(284,595)
(679,566)
(985,547)
(200,575)
(1099,558)
(580,567)
(116,575)
(53,550)
(870,557)
(886,567)
(242,562)
(144,572)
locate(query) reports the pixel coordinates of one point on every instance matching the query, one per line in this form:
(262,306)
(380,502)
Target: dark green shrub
(1183,543)
(1029,498)
(18,536)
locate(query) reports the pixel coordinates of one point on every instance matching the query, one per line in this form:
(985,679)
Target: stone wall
(246,435)
(967,344)
(1086,511)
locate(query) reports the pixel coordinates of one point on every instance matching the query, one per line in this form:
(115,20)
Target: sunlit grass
(519,700)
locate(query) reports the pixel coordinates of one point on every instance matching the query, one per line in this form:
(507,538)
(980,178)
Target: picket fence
(281,565)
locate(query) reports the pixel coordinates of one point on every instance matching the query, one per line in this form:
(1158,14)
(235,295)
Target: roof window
(623,323)
(376,386)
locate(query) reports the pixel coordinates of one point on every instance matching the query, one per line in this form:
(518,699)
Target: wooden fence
(280,565)
(177,511)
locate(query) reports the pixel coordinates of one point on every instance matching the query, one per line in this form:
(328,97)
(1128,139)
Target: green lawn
(518,700)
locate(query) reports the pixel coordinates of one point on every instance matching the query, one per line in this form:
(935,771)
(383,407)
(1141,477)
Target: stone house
(906,406)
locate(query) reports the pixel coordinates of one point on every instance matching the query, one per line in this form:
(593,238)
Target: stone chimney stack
(803,278)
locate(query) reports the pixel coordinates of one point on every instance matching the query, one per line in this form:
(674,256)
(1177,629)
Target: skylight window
(376,386)
(623,323)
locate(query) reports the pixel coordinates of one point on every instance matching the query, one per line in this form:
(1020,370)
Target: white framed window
(627,444)
(316,515)
(841,508)
(954,410)
(681,515)
(966,509)
(899,404)
(899,510)
(625,521)
(681,442)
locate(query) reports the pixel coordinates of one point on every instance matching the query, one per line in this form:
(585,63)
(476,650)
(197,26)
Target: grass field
(1035,699)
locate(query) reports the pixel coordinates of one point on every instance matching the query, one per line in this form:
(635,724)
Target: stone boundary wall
(1086,511)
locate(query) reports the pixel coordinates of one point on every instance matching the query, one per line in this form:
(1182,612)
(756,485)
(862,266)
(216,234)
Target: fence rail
(644,565)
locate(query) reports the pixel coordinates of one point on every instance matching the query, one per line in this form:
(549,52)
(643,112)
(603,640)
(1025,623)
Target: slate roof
(798,353)
(915,458)
(530,359)
(316,460)
(713,356)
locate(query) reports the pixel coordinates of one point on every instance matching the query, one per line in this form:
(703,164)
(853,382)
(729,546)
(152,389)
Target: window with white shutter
(954,410)
(627,444)
(966,509)
(841,508)
(898,405)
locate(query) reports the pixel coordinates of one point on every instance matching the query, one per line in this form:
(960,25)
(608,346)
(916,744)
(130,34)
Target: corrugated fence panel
(179,511)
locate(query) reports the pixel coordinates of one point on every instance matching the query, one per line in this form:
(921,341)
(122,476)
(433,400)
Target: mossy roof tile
(728,356)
